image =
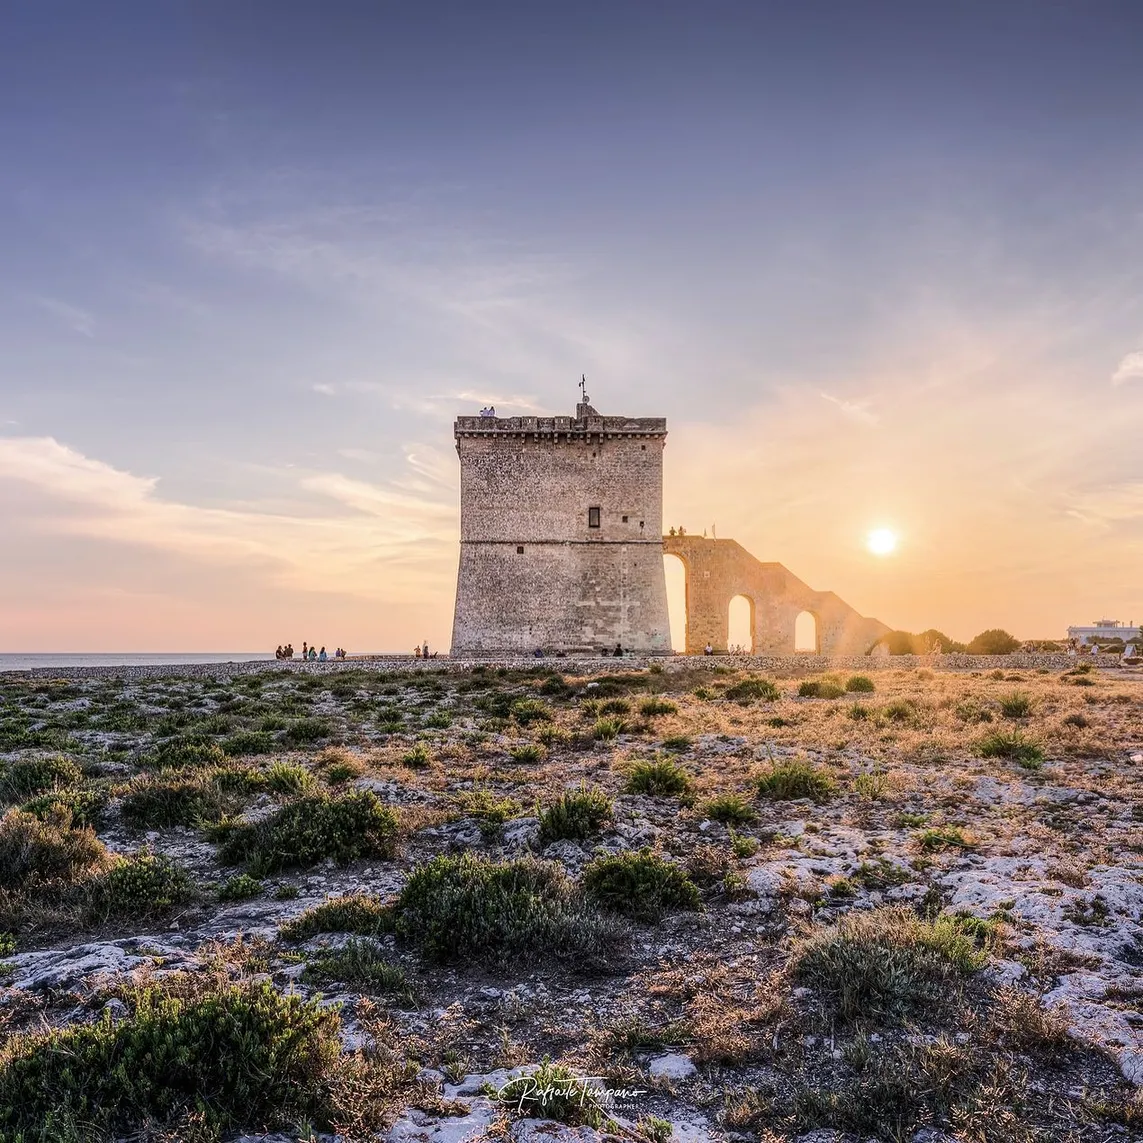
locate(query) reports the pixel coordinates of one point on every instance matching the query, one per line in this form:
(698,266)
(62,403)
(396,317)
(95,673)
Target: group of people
(422,652)
(310,654)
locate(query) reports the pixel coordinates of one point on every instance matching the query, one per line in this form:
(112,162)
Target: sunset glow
(882,541)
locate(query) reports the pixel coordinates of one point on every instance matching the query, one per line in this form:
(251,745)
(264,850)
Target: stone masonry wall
(532,572)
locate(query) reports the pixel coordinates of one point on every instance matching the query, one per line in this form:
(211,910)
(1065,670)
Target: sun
(881,541)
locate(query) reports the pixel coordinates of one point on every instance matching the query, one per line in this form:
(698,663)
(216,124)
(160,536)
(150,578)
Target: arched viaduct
(719,570)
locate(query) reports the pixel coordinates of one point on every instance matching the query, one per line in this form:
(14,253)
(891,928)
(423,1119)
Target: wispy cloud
(325,389)
(854,410)
(379,542)
(1130,368)
(76,319)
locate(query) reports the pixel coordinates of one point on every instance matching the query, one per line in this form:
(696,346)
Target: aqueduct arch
(719,570)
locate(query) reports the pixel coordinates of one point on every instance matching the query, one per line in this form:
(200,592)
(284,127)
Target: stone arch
(740,622)
(807,632)
(677,576)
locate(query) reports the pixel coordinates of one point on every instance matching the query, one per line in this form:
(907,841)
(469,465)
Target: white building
(1105,629)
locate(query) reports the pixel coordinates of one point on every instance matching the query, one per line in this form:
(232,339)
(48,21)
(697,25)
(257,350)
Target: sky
(880,264)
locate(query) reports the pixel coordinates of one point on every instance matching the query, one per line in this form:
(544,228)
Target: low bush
(86,805)
(528,710)
(153,801)
(1077,720)
(615,706)
(887,964)
(466,908)
(554,1091)
(490,812)
(355,913)
(27,777)
(142,885)
(239,1056)
(655,706)
(342,827)
(859,684)
(730,809)
(751,690)
(662,776)
(527,753)
(677,744)
(289,778)
(246,743)
(1015,704)
(1011,744)
(35,852)
(305,731)
(944,837)
(363,965)
(796,778)
(552,735)
(640,885)
(241,887)
(418,757)
(185,752)
(606,729)
(900,710)
(577,814)
(820,688)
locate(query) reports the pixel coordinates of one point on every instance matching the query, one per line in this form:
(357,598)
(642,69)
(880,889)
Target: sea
(26,662)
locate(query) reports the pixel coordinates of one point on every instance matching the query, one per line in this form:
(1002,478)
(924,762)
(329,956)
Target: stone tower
(561,535)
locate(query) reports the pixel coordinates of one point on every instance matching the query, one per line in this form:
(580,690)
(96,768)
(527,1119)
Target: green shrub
(27,777)
(466,908)
(859,684)
(343,827)
(859,712)
(606,729)
(640,885)
(750,690)
(35,852)
(248,743)
(730,809)
(439,720)
(871,786)
(344,770)
(142,885)
(490,812)
(1015,704)
(289,778)
(155,802)
(662,776)
(527,753)
(946,837)
(556,686)
(820,688)
(418,757)
(577,814)
(1013,745)
(887,964)
(553,1091)
(363,965)
(649,708)
(240,887)
(796,778)
(677,744)
(185,752)
(615,706)
(355,913)
(86,805)
(529,710)
(900,710)
(552,735)
(305,731)
(239,1056)
(1077,720)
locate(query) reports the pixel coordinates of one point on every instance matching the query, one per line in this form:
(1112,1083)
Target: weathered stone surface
(560,526)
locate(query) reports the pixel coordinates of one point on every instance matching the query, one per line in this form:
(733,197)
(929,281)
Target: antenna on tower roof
(583,388)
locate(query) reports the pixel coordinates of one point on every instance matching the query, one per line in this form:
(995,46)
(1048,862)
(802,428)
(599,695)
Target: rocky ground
(494,903)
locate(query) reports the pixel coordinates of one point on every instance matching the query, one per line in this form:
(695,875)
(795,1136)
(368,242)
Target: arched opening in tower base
(806,632)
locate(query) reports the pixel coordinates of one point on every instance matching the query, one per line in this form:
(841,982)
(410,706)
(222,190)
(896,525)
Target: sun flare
(881,541)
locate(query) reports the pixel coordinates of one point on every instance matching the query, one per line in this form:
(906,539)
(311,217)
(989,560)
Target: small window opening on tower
(593,517)
(624,519)
(643,447)
(519,549)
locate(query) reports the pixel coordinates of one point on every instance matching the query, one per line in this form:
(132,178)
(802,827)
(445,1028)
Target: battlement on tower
(586,423)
